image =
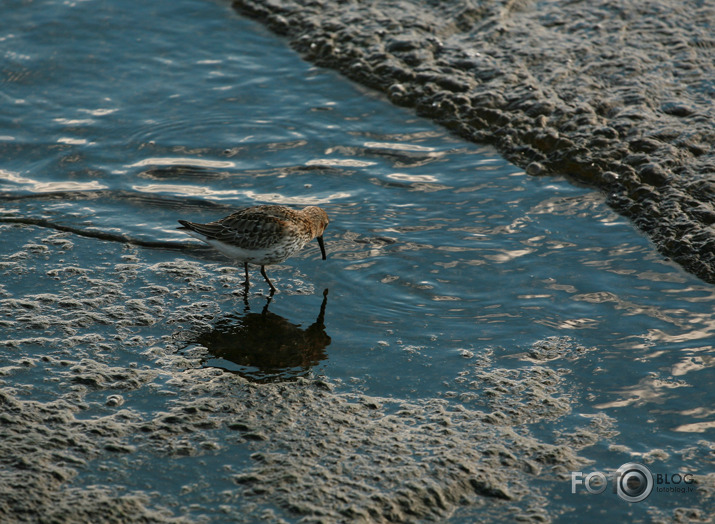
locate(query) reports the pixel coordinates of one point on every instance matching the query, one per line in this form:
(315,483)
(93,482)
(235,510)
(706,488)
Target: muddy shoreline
(618,97)
(114,391)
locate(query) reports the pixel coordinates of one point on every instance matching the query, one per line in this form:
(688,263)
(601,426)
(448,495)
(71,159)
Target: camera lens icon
(634,482)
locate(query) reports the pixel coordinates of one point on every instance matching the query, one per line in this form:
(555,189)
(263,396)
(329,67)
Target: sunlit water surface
(122,117)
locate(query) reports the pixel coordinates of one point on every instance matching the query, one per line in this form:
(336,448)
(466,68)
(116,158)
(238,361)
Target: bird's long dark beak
(322,246)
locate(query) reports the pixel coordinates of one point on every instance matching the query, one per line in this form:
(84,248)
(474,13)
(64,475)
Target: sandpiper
(262,235)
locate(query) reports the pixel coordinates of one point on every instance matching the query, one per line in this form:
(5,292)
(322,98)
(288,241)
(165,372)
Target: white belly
(273,255)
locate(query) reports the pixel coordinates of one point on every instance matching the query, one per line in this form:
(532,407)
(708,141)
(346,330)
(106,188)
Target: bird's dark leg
(263,272)
(245,268)
(245,285)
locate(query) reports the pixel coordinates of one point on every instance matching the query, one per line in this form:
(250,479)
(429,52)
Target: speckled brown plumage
(262,235)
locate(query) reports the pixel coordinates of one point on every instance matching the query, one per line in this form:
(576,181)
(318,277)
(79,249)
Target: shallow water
(456,284)
(617,96)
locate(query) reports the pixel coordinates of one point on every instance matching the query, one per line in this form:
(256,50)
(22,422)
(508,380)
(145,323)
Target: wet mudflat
(475,335)
(619,97)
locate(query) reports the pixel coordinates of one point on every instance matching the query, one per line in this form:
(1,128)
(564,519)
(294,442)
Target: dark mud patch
(616,96)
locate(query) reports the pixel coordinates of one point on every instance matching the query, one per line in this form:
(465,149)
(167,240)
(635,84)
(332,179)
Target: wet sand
(87,356)
(616,96)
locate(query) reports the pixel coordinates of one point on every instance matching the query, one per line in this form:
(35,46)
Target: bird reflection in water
(266,347)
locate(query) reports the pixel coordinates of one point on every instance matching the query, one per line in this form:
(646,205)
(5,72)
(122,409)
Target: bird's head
(318,222)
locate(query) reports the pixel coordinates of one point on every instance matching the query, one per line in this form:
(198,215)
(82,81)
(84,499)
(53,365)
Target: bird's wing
(246,229)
